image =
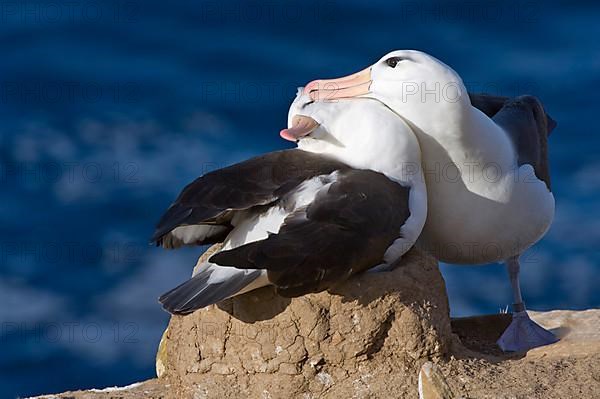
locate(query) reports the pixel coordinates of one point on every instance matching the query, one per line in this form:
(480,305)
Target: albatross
(351,197)
(485,163)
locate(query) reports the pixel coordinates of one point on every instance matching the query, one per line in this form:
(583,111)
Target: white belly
(484,217)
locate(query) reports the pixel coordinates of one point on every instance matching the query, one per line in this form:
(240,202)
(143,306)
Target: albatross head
(415,85)
(361,132)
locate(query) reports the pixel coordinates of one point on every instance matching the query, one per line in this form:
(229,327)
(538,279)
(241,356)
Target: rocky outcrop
(370,335)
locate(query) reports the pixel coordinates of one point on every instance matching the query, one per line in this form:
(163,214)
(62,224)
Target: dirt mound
(370,334)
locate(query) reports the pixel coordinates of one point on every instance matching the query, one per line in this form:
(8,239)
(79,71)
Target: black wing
(213,198)
(525,121)
(345,230)
(199,291)
(491,105)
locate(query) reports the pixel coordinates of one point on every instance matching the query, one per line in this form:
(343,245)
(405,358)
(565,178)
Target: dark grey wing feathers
(214,197)
(524,120)
(199,292)
(486,103)
(491,105)
(345,230)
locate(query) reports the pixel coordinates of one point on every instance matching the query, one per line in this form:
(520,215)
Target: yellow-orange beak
(349,86)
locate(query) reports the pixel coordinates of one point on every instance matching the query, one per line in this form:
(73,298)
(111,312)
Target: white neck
(375,140)
(463,133)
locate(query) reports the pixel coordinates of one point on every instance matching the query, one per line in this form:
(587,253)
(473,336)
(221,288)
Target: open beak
(349,86)
(301,126)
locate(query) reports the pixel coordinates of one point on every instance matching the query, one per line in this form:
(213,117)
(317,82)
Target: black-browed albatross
(485,164)
(350,198)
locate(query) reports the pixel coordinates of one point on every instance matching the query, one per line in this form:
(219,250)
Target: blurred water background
(108,108)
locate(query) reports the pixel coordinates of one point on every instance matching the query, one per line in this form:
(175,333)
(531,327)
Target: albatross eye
(393,61)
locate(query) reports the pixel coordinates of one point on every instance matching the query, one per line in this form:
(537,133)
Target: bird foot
(384,267)
(523,334)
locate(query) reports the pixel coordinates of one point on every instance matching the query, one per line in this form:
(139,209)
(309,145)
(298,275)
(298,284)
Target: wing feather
(214,198)
(345,230)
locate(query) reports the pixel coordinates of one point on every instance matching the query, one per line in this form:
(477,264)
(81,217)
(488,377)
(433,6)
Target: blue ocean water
(108,108)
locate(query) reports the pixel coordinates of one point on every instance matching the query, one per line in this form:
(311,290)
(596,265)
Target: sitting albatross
(485,164)
(350,198)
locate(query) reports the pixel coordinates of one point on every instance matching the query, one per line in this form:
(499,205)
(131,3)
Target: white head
(362,132)
(414,84)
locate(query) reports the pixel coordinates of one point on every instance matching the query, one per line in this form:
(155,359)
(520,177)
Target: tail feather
(206,288)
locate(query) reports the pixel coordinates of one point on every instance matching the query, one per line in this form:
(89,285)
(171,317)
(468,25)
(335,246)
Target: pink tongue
(301,126)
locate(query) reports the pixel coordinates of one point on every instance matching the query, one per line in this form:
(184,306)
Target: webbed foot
(523,334)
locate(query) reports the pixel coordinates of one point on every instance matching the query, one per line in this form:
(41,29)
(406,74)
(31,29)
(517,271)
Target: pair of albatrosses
(396,153)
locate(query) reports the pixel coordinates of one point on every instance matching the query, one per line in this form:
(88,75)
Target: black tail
(198,292)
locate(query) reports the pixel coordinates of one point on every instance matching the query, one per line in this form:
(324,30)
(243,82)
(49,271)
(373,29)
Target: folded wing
(345,230)
(203,211)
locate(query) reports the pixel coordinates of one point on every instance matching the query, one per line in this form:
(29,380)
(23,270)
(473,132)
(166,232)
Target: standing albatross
(485,164)
(350,198)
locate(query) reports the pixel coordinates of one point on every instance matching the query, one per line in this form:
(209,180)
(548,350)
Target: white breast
(482,207)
